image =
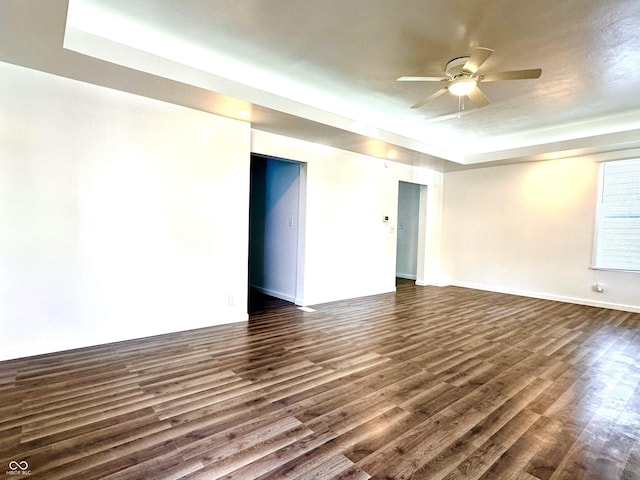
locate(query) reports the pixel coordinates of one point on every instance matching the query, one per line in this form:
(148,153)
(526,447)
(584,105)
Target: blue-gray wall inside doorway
(274,226)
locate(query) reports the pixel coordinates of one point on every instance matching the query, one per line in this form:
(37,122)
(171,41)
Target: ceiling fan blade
(437,93)
(478,57)
(513,75)
(478,98)
(420,79)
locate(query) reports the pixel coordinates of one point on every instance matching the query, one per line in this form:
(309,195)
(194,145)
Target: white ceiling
(325,71)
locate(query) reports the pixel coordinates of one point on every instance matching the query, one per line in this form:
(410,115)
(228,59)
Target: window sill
(606,269)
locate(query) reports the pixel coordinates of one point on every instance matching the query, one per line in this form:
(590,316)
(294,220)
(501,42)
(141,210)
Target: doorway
(276,234)
(411,231)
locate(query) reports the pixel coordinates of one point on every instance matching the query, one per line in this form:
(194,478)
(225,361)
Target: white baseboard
(321,300)
(424,283)
(548,296)
(276,294)
(90,340)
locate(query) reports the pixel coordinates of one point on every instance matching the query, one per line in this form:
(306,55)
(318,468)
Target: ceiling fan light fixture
(462,86)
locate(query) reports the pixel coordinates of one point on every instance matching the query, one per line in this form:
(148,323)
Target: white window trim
(598,221)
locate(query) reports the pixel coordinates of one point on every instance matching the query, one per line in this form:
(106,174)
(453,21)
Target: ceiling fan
(462,78)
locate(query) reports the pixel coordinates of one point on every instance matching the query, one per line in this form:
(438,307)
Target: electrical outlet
(599,287)
(231,299)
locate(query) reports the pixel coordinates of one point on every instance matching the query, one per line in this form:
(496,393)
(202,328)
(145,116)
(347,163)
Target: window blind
(618,223)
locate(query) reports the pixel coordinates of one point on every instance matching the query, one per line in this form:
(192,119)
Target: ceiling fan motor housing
(454,67)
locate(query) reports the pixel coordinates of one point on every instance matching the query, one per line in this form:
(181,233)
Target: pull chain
(460,105)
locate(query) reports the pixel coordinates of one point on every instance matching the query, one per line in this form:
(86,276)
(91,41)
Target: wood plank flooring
(427,383)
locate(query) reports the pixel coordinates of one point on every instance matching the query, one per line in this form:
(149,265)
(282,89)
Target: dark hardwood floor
(433,383)
(260,303)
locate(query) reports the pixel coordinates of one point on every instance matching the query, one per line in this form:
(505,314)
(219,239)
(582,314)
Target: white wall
(120,216)
(430,270)
(528,229)
(349,250)
(123,217)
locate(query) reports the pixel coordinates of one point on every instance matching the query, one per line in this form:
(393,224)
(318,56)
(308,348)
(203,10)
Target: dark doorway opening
(276,191)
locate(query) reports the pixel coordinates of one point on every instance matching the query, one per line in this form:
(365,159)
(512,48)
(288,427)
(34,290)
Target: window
(618,222)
